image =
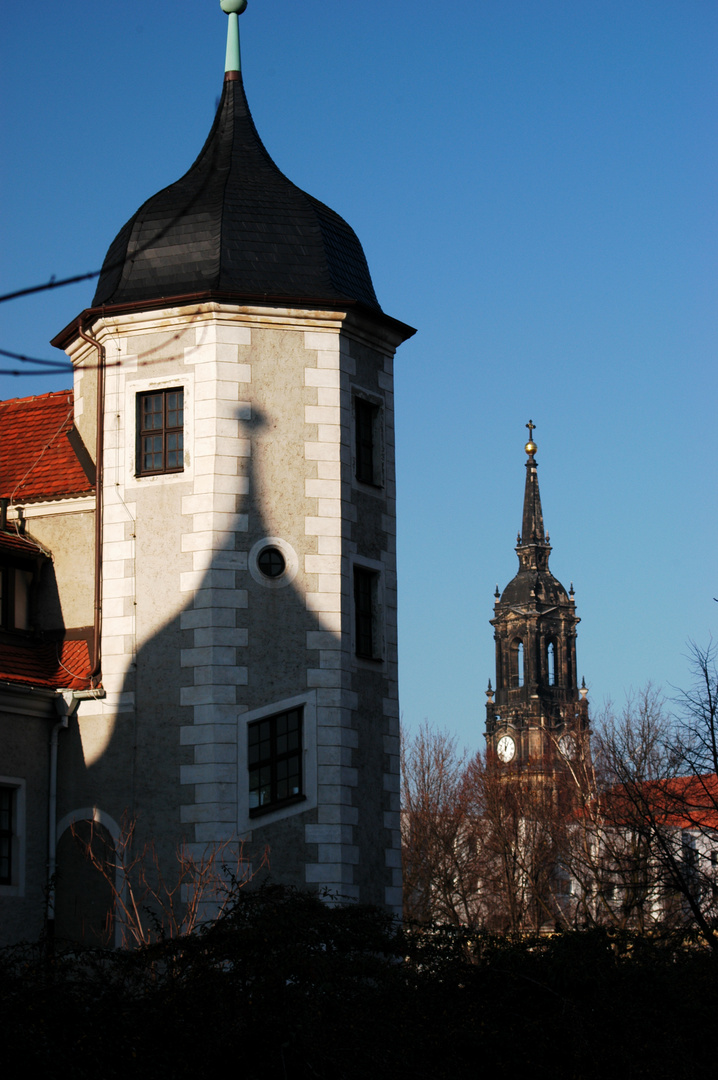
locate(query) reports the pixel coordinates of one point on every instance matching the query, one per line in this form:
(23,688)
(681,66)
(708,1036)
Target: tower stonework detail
(537,711)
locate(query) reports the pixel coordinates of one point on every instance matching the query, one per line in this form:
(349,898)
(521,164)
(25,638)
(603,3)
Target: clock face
(506,748)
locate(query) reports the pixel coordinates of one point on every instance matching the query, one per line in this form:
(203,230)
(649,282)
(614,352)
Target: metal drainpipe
(97,623)
(64,707)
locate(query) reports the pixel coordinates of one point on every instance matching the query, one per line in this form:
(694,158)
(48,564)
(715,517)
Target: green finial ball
(233,6)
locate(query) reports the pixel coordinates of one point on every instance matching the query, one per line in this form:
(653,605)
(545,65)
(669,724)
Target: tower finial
(531,447)
(234,9)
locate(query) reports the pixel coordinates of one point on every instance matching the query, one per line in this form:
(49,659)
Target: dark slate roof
(534,586)
(234,224)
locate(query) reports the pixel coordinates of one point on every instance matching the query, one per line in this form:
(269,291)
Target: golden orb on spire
(530,446)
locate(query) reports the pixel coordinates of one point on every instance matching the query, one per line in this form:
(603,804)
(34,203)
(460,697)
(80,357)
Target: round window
(271,562)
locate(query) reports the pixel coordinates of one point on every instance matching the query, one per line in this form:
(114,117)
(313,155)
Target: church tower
(537,712)
(234,374)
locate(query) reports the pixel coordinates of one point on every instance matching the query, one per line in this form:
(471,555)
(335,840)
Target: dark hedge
(287,986)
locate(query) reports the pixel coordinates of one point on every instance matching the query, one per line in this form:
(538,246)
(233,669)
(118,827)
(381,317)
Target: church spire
(533,544)
(536,700)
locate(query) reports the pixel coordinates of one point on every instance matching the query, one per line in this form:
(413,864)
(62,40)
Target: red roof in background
(53,665)
(692,801)
(677,802)
(36,458)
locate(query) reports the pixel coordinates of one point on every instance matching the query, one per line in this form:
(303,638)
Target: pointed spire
(235,226)
(234,9)
(532,544)
(532,529)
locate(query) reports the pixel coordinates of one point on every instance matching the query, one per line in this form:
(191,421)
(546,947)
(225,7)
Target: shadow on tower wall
(166,759)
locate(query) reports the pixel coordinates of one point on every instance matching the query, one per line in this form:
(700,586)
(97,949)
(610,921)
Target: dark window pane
(274,760)
(271,562)
(366,414)
(7,796)
(365,584)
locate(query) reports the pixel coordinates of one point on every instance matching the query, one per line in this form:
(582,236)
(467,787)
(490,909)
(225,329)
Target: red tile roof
(36,458)
(692,801)
(12,543)
(679,802)
(53,665)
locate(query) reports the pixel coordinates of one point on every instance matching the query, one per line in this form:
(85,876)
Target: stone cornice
(378,331)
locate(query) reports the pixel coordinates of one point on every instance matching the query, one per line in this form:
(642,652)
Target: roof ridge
(36,397)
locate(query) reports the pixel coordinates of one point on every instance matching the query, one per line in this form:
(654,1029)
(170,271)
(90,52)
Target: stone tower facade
(537,711)
(235,374)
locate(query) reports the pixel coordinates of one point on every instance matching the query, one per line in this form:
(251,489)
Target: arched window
(86,915)
(551,663)
(517,657)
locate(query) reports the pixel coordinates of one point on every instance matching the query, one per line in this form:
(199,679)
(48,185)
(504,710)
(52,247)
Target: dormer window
(15,584)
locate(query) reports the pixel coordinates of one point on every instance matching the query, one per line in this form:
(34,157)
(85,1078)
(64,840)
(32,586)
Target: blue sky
(533,182)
